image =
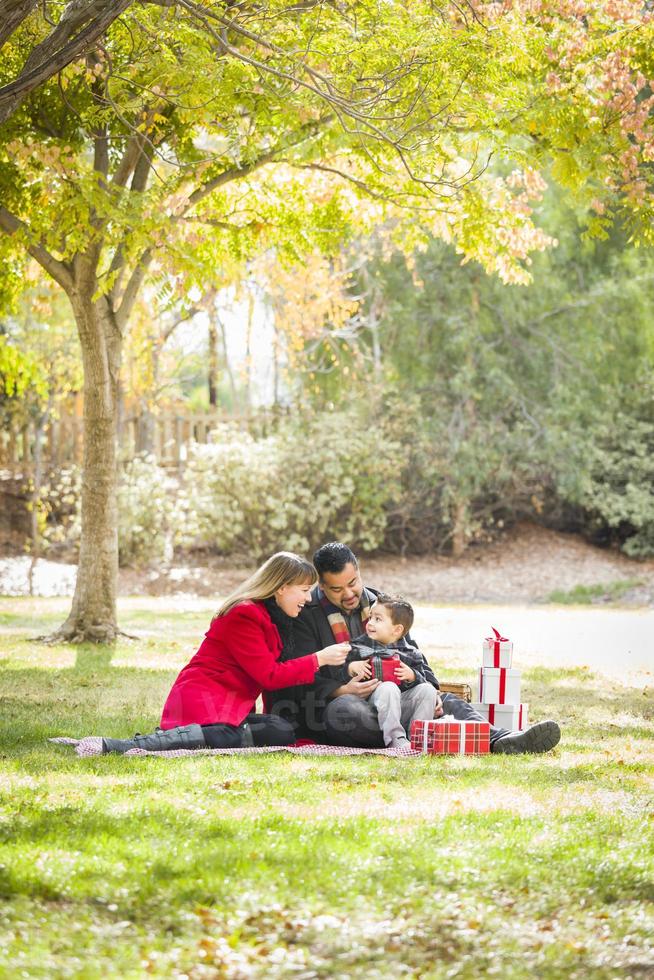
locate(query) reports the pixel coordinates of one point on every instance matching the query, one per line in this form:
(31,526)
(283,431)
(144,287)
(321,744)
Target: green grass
(284,866)
(605,592)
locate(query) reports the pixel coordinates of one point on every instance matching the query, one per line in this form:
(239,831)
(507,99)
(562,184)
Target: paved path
(616,642)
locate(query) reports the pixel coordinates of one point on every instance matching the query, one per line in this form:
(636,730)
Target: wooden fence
(167,435)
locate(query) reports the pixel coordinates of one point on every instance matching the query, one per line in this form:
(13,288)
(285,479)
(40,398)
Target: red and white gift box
(499,685)
(497,651)
(514,717)
(448,735)
(383,668)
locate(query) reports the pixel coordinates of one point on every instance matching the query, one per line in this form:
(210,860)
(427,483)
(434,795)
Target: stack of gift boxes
(499,702)
(499,686)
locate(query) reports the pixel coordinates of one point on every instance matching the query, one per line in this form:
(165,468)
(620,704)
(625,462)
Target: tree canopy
(191,137)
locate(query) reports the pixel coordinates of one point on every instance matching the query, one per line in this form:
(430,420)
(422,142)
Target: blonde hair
(283,568)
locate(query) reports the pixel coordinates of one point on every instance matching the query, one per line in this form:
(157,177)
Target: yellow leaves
(309,299)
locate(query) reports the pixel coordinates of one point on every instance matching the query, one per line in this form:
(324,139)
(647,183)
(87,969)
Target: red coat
(237,660)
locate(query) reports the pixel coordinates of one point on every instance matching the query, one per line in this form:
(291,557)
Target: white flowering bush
(147,503)
(58,510)
(292,490)
(146,513)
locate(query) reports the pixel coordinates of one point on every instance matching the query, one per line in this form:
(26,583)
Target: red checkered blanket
(92,745)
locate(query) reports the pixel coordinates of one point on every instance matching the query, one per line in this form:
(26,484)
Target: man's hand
(359,668)
(404,673)
(438,707)
(362,689)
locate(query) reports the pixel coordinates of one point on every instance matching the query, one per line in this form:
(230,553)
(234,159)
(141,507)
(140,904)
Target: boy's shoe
(538,738)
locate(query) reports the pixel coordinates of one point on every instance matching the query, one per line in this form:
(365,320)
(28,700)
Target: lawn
(281,866)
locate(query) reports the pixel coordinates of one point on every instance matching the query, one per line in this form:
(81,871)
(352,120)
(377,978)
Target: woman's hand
(359,668)
(334,655)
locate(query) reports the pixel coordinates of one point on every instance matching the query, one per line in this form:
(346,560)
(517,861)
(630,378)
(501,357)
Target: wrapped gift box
(383,668)
(499,685)
(447,735)
(497,651)
(513,717)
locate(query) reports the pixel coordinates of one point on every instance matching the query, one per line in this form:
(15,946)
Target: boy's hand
(438,707)
(359,668)
(404,673)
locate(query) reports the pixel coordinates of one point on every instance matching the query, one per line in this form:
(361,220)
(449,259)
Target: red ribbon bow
(496,640)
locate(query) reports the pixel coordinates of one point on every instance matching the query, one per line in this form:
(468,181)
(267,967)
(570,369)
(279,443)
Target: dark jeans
(255,730)
(350,720)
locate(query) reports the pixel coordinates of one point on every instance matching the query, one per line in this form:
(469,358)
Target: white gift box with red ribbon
(499,685)
(497,651)
(514,717)
(449,735)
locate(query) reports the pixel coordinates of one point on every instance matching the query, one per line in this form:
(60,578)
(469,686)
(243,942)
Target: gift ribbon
(495,641)
(491,715)
(502,685)
(502,692)
(446,720)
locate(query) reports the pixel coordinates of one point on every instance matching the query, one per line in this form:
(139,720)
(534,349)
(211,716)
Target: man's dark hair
(400,609)
(333,557)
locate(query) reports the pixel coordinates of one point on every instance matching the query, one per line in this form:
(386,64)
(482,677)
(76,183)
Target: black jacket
(364,647)
(304,704)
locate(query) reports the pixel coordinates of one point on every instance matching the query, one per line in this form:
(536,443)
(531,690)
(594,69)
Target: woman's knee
(222,736)
(270,730)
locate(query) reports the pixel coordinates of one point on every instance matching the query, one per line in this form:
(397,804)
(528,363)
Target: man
(340,714)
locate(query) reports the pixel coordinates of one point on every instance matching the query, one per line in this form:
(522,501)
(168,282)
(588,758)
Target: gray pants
(350,720)
(397,709)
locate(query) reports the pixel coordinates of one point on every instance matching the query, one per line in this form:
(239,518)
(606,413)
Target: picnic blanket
(92,745)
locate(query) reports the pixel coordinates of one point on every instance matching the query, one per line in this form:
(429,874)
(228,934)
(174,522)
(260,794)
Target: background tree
(192,119)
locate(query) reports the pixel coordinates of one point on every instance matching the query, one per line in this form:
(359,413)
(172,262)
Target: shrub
(146,509)
(326,477)
(146,513)
(615,486)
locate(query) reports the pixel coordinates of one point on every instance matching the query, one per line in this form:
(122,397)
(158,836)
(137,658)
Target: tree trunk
(213,361)
(459,535)
(93,614)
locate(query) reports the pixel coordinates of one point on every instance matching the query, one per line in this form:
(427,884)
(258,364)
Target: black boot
(539,738)
(186,737)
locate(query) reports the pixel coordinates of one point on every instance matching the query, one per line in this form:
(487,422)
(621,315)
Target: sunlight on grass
(277,866)
(605,592)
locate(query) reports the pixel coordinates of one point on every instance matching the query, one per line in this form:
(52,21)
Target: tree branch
(60,271)
(132,289)
(15,13)
(61,47)
(235,173)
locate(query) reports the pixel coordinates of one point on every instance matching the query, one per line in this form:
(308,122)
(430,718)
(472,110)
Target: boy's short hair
(400,609)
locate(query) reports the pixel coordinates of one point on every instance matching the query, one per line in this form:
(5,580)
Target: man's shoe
(539,738)
(184,737)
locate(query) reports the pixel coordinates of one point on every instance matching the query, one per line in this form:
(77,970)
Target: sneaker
(539,738)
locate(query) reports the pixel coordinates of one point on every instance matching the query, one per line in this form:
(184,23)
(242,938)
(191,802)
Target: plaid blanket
(92,745)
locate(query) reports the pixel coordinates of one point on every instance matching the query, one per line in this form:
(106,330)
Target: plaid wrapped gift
(497,651)
(447,735)
(383,668)
(513,717)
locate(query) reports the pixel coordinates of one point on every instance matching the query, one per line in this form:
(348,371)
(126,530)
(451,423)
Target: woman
(212,701)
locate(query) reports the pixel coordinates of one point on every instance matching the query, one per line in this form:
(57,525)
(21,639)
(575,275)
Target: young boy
(414,697)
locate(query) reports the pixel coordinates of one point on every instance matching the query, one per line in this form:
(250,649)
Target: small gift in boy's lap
(407,686)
